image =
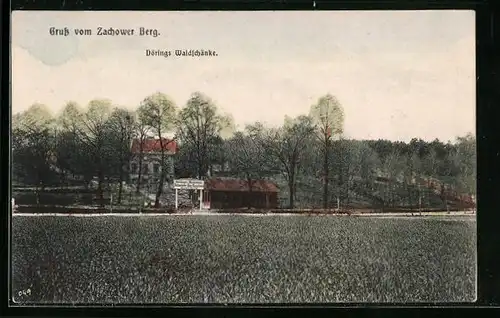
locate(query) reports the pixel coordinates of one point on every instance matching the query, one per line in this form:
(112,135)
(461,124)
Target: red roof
(230,185)
(153,145)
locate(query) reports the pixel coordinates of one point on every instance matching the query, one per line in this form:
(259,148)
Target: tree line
(308,156)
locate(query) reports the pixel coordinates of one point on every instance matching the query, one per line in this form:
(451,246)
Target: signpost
(188,184)
(111,203)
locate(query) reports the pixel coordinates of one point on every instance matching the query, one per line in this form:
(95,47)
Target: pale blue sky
(398,74)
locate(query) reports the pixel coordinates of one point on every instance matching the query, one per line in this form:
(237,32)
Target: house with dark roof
(151,150)
(224,193)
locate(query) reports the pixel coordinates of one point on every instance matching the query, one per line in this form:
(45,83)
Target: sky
(397,74)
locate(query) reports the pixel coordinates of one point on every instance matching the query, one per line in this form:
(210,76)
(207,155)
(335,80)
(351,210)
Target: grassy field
(242,259)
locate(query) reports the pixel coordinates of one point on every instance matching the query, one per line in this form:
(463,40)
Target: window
(217,168)
(133,168)
(145,169)
(156,168)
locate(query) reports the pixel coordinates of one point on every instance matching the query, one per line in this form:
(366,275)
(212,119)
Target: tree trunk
(201,165)
(446,202)
(122,172)
(410,197)
(159,191)
(37,191)
(120,191)
(387,193)
(86,182)
(139,176)
(325,175)
(162,173)
(341,179)
(419,199)
(348,197)
(294,192)
(444,197)
(291,195)
(393,194)
(291,187)
(99,187)
(62,178)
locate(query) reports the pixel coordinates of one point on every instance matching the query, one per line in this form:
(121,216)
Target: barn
(227,193)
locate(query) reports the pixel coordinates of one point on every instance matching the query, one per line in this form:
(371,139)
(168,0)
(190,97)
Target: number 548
(25,292)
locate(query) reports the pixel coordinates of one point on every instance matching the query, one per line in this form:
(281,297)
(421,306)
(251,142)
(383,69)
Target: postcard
(243,157)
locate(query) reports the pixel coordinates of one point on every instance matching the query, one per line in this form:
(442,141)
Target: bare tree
(328,116)
(94,133)
(159,112)
(122,125)
(246,159)
(70,157)
(285,144)
(141,131)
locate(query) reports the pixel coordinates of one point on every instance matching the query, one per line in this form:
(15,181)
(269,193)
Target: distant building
(151,160)
(235,193)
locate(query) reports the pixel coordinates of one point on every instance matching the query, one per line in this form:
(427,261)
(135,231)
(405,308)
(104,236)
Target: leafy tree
(32,156)
(382,147)
(412,171)
(393,167)
(219,153)
(465,157)
(71,154)
(82,143)
(362,165)
(33,146)
(199,125)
